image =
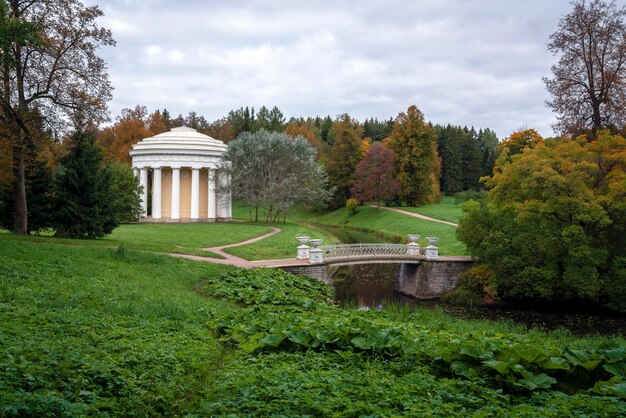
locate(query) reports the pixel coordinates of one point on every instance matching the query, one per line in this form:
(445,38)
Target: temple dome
(179,141)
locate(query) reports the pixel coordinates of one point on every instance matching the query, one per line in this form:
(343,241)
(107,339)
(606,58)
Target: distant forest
(466,153)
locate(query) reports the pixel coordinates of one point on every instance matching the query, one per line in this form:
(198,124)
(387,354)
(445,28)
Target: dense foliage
(343,158)
(466,156)
(95,331)
(374,176)
(331,351)
(553,227)
(273,171)
(49,68)
(85,203)
(417,164)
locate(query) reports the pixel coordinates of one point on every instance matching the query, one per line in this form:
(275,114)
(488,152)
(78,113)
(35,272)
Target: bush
(476,285)
(352,204)
(464,196)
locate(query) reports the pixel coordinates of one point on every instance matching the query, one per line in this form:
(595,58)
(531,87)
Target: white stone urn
(303,240)
(413,238)
(432,240)
(315,242)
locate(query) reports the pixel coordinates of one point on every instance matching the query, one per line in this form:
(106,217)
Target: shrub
(352,204)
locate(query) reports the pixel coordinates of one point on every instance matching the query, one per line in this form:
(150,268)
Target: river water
(373,286)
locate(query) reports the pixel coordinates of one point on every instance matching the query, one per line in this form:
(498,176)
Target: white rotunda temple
(181,167)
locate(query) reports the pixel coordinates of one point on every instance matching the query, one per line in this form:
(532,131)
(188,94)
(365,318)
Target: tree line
(434,159)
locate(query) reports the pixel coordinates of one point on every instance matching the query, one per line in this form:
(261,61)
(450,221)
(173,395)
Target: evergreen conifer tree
(85,204)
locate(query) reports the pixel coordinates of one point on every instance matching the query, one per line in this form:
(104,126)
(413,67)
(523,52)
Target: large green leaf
(556,363)
(501,367)
(617,369)
(536,381)
(463,368)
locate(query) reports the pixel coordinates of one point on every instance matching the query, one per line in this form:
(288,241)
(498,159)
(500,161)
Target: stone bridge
(423,273)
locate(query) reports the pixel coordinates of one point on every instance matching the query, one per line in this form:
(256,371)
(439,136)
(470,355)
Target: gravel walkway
(416,215)
(238,261)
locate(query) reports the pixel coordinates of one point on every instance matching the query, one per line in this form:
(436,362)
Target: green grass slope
(447,210)
(89,331)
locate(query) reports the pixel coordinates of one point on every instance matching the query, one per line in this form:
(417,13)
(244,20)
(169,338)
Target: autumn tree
(48,63)
(589,84)
(221,129)
(131,127)
(515,144)
(295,129)
(417,165)
(343,158)
(374,175)
(553,225)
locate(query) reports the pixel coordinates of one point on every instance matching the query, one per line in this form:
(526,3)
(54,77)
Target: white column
(211,195)
(143,180)
(195,193)
(229,198)
(175,193)
(156,193)
(224,201)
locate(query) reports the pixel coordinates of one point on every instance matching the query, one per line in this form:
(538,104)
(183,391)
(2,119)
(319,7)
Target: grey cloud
(477,63)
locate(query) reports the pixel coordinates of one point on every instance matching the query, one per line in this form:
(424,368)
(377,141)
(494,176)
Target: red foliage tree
(374,175)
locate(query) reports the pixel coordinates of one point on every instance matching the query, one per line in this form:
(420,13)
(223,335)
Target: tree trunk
(20,225)
(284,217)
(276,217)
(269,214)
(256,213)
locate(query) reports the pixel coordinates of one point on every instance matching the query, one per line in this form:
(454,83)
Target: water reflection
(373,286)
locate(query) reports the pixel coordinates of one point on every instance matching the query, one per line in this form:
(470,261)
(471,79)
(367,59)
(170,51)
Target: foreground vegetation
(99,331)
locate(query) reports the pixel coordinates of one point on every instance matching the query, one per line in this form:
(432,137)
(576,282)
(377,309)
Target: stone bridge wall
(426,280)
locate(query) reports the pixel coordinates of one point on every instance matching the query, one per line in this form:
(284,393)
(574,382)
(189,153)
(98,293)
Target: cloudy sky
(477,62)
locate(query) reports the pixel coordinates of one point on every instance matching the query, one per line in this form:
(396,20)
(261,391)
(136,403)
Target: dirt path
(417,215)
(238,261)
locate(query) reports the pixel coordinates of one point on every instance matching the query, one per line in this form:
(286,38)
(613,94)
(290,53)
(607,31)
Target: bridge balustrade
(346,251)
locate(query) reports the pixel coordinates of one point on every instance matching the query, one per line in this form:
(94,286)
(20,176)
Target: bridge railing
(364,250)
(319,253)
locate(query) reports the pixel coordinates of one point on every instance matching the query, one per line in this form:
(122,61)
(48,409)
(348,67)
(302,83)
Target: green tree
(39,193)
(85,204)
(343,158)
(489,149)
(552,227)
(417,165)
(372,128)
(449,144)
(126,192)
(241,120)
(273,171)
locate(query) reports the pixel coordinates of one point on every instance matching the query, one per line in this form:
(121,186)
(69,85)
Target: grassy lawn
(447,210)
(90,331)
(390,223)
(183,238)
(281,245)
